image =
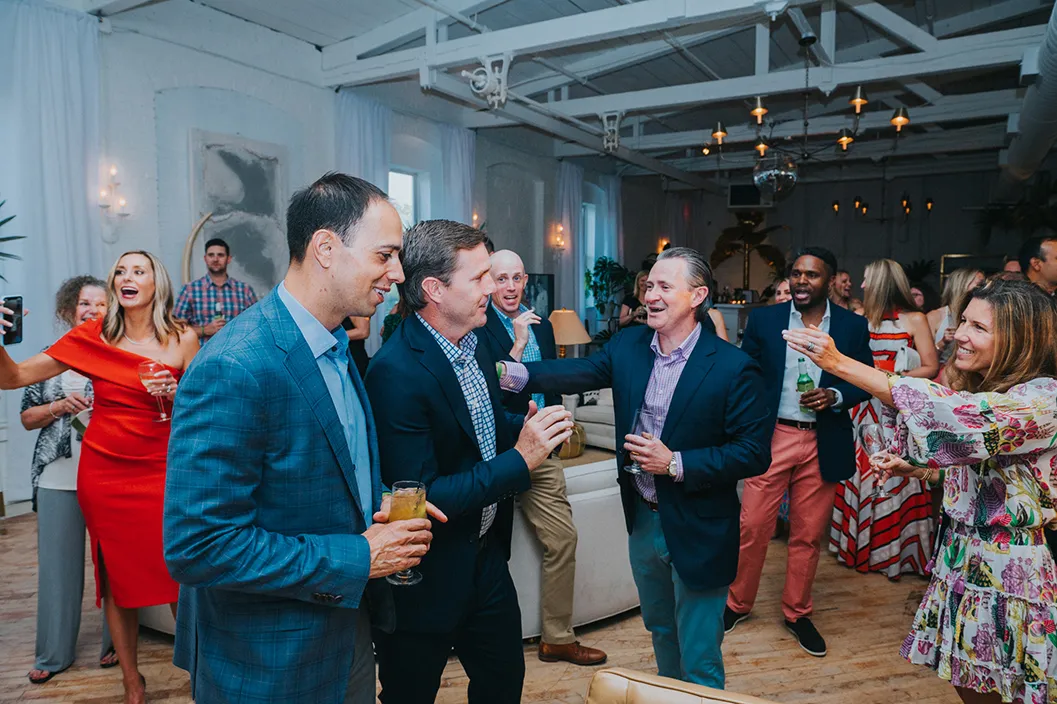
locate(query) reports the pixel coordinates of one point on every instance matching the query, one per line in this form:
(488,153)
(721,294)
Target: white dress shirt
(789,404)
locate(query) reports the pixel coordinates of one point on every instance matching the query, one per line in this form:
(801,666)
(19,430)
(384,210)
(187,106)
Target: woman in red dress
(121,476)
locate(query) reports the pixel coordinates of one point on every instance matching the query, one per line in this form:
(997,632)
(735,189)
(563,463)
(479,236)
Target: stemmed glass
(872,438)
(643,424)
(148,374)
(408,502)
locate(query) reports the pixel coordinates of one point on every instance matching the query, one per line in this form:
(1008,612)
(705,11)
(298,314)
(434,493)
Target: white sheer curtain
(611,237)
(568,208)
(364,143)
(49,175)
(458,149)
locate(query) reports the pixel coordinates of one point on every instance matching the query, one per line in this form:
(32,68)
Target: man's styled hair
(822,253)
(217,242)
(1032,248)
(431,250)
(698,273)
(335,202)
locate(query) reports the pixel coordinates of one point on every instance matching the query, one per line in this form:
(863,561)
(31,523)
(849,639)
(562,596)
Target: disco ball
(775,175)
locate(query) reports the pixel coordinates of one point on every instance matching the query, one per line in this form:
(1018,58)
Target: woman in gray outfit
(52,406)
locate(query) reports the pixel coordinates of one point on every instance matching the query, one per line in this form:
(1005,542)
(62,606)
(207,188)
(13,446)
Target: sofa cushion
(595,414)
(605,397)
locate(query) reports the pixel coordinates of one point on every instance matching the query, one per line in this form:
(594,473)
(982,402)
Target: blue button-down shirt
(331,350)
(475,391)
(532,348)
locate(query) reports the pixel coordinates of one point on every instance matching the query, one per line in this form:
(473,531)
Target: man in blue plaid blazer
(273,494)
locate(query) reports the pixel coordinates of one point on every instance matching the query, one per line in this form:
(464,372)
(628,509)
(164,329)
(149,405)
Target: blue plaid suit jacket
(262,524)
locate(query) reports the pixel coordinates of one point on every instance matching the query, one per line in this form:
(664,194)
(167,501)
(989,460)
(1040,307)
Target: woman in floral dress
(988,622)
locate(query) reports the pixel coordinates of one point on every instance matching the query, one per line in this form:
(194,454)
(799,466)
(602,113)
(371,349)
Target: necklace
(138,343)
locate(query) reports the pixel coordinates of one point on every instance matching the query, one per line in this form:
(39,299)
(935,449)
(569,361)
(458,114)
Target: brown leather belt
(798,424)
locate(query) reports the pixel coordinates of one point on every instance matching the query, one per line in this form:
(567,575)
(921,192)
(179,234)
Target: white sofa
(604,585)
(597,419)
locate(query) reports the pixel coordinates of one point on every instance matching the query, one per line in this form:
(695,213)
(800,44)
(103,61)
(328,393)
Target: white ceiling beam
(399,31)
(108,8)
(892,24)
(804,27)
(575,30)
(953,108)
(828,26)
(951,55)
(970,139)
(763,47)
(955,25)
(923,90)
(452,87)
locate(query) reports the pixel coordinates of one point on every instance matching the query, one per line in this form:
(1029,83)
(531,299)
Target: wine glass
(643,424)
(408,501)
(872,438)
(148,374)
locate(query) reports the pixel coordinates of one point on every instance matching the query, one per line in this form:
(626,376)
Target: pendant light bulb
(719,133)
(900,119)
(758,110)
(859,99)
(761,147)
(845,138)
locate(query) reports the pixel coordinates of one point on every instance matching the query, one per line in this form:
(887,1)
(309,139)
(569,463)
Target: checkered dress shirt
(198,300)
(532,349)
(475,391)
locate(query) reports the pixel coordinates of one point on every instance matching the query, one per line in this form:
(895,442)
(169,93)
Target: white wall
(650,214)
(157,90)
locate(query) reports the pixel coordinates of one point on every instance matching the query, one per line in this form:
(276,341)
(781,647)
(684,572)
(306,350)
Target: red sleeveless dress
(121,476)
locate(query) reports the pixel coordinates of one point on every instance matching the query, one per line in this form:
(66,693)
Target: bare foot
(136,691)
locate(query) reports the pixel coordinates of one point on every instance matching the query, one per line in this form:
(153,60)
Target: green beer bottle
(804,382)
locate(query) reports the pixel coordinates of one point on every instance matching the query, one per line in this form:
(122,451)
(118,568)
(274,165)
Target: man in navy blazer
(812,443)
(441,422)
(272,497)
(707,429)
(514,332)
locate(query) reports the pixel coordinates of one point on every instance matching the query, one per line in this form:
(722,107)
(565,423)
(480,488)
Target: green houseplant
(11,238)
(606,283)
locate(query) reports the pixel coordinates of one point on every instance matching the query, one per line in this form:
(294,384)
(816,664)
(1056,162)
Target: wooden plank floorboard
(863,617)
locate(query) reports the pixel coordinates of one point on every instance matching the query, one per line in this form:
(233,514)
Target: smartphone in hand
(13,334)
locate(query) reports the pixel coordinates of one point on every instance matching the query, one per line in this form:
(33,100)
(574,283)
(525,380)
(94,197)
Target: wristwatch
(671,466)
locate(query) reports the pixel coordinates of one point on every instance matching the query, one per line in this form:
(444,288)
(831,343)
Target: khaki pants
(546,507)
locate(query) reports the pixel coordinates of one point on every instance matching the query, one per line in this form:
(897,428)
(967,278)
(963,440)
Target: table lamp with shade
(568,330)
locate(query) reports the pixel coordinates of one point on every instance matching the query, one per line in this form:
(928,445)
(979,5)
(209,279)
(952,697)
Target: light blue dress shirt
(331,350)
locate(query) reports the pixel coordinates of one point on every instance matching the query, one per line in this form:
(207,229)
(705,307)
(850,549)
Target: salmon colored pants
(794,466)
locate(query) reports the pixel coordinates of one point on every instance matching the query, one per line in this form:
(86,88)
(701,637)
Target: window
(588,232)
(402,187)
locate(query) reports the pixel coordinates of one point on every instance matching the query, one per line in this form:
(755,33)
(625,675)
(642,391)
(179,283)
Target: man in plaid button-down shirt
(209,303)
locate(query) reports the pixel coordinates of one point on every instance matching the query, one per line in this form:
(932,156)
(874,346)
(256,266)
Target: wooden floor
(864,619)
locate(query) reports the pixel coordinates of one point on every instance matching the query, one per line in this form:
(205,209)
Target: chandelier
(777,170)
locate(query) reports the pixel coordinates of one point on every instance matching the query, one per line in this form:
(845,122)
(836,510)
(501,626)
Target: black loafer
(808,637)
(731,618)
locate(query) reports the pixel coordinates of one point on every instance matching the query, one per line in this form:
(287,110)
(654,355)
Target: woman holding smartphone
(121,474)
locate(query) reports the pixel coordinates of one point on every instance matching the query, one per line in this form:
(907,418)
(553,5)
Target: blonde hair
(956,292)
(887,290)
(1024,325)
(639,285)
(161,305)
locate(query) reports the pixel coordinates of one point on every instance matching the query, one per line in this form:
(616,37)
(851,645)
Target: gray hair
(431,250)
(698,273)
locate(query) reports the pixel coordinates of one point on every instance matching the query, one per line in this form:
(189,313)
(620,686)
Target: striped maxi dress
(892,536)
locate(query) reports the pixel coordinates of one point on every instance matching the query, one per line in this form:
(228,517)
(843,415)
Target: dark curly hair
(69,292)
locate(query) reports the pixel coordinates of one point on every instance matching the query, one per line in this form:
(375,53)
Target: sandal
(109,654)
(42,680)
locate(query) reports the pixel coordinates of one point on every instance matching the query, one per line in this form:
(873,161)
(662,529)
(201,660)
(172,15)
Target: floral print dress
(987,621)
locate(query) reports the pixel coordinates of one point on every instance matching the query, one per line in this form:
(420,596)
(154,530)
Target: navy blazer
(494,334)
(763,341)
(717,420)
(425,434)
(262,520)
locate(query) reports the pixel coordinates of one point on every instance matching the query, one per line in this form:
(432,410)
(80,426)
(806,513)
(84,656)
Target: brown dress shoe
(573,652)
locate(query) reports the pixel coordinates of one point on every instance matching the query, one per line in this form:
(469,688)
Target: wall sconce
(559,239)
(111,201)
(836,207)
(858,202)
(865,208)
(475,218)
(928,205)
(661,244)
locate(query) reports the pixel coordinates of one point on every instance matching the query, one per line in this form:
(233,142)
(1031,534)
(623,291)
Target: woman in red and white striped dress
(891,535)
